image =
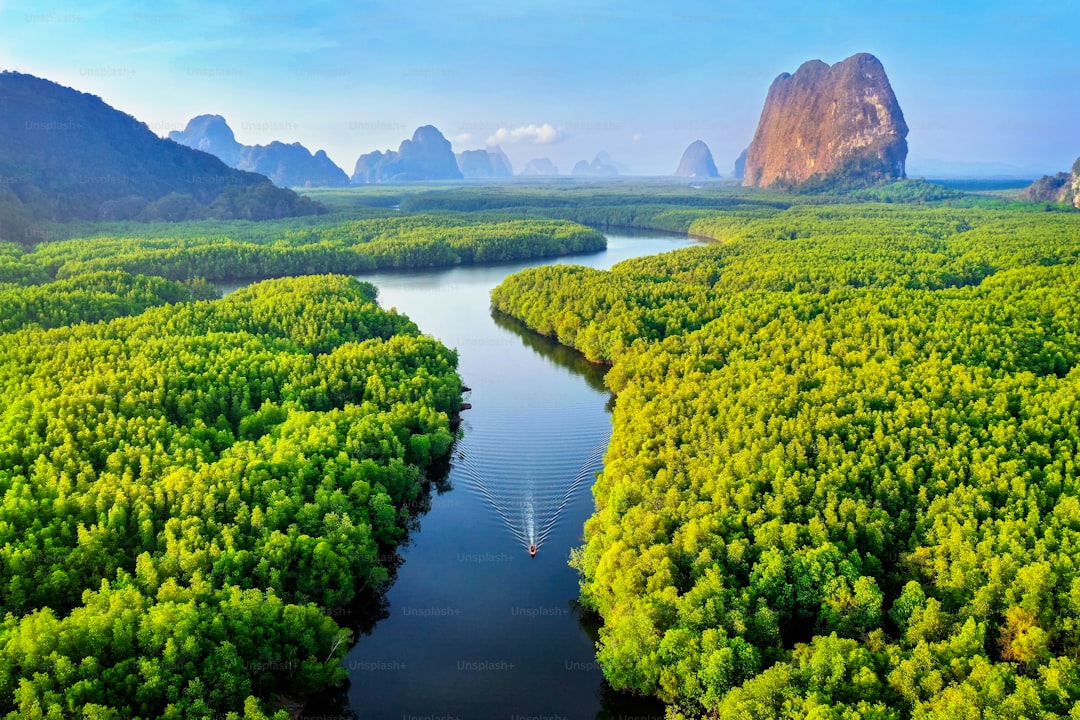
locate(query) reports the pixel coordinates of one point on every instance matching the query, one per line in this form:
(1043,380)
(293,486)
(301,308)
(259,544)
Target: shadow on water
(616,704)
(530,498)
(550,349)
(371,606)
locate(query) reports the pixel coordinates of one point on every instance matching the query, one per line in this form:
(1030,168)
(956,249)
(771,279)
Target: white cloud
(545,134)
(637,137)
(462,139)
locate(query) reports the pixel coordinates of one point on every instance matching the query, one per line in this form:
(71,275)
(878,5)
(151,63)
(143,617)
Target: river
(473,627)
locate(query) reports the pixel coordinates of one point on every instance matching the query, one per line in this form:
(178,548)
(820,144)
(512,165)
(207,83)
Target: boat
(532,551)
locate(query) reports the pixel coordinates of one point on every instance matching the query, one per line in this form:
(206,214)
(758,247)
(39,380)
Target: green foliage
(907,191)
(655,204)
(842,481)
(855,173)
(353,246)
(658,205)
(14,272)
(188,492)
(190,489)
(89,298)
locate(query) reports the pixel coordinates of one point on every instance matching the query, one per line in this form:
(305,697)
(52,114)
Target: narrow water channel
(473,627)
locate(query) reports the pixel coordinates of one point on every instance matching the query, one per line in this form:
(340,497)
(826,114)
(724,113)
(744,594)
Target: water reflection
(529,498)
(550,349)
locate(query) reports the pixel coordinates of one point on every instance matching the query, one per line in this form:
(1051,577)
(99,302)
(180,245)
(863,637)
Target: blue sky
(986,81)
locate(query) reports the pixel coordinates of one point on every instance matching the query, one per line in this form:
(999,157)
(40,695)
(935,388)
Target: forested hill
(842,480)
(68,155)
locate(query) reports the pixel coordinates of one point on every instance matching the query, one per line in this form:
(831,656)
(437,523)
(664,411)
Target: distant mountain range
(427,156)
(539,166)
(601,166)
(489,163)
(67,155)
(287,165)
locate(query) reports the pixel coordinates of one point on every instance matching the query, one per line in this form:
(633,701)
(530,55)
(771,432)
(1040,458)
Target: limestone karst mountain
(740,165)
(1063,187)
(539,166)
(838,124)
(601,166)
(484,163)
(76,157)
(286,164)
(427,156)
(697,162)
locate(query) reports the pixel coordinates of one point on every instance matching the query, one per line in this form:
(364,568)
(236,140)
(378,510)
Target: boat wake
(527,477)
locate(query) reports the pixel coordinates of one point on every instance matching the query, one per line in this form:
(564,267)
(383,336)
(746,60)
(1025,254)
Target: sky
(979,82)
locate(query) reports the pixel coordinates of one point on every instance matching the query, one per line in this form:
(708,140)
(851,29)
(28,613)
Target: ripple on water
(528,479)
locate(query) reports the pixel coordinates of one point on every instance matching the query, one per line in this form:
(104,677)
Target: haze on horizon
(986,82)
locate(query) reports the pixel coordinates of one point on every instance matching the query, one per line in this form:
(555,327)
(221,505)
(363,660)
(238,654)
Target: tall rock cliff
(697,162)
(210,133)
(427,156)
(292,165)
(838,124)
(740,165)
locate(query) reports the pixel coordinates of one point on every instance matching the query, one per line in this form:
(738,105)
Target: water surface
(473,627)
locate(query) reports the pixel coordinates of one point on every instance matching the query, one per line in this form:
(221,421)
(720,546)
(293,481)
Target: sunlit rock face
(832,123)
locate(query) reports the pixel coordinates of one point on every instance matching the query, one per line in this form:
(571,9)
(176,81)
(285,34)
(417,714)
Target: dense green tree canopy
(90,298)
(843,476)
(191,488)
(187,491)
(841,483)
(352,246)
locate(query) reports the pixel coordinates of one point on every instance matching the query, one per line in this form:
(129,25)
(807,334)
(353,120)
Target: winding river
(473,627)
